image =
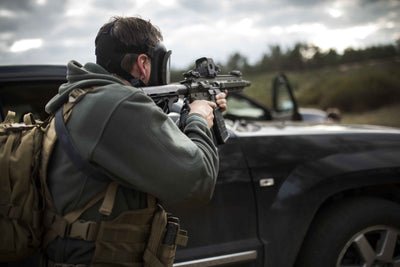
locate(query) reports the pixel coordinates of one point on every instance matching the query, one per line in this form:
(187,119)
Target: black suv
(290,192)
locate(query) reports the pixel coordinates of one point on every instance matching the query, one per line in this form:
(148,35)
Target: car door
(284,103)
(225,230)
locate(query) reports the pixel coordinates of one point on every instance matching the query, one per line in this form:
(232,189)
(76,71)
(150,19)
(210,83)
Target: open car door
(284,104)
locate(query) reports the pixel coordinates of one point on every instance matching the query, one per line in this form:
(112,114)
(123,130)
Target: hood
(79,76)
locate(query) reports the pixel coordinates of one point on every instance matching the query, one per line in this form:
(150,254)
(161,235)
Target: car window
(24,97)
(284,101)
(242,108)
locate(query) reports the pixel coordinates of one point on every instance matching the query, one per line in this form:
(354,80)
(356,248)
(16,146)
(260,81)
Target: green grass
(365,93)
(386,116)
(261,87)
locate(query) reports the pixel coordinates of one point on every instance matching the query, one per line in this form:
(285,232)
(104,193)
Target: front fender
(309,185)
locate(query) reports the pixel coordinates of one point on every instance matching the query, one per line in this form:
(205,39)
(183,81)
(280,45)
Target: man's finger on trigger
(212,104)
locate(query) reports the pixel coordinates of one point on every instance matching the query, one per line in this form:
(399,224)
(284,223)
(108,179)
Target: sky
(56,31)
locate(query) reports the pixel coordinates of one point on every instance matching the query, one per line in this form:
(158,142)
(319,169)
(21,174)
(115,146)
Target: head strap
(110,51)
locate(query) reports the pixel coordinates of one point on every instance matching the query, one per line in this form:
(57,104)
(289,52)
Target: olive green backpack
(20,207)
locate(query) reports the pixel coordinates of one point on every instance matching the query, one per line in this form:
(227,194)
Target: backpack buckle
(67,230)
(76,95)
(81,229)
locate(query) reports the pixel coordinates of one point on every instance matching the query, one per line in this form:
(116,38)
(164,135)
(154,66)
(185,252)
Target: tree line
(307,57)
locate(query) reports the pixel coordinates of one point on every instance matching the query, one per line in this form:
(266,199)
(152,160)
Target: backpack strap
(109,199)
(29,119)
(72,151)
(68,144)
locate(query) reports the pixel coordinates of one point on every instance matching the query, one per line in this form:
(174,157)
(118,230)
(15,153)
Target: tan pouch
(122,241)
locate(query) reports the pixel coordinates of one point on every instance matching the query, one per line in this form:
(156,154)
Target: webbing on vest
(70,226)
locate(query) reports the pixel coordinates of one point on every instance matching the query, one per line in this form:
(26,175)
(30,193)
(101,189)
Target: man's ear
(143,67)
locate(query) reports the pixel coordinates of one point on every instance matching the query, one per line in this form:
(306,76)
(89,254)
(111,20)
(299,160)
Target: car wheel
(356,232)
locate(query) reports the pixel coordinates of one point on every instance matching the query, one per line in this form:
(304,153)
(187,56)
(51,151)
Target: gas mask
(110,52)
(160,65)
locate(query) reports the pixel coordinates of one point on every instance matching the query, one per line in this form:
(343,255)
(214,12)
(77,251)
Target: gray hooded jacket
(119,128)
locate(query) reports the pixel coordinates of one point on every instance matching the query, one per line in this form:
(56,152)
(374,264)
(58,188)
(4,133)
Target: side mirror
(284,103)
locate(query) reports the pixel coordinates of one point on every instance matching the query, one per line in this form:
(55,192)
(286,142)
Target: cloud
(21,5)
(192,29)
(25,45)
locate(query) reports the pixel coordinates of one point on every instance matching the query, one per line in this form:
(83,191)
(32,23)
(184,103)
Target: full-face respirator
(110,51)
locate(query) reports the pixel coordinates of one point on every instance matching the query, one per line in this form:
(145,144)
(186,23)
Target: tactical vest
(145,237)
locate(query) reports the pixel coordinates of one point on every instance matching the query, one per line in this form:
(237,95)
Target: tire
(361,231)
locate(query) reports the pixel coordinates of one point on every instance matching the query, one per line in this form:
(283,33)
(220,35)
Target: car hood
(246,128)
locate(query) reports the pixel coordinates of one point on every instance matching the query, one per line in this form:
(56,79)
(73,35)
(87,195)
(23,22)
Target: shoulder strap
(72,151)
(49,140)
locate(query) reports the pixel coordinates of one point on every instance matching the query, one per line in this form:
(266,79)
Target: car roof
(32,72)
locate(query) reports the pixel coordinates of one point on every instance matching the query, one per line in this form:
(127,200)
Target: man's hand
(221,100)
(204,108)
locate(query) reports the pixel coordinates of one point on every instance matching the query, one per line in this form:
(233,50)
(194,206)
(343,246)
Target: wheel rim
(377,246)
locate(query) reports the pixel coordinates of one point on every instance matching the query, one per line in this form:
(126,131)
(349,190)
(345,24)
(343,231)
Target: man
(121,131)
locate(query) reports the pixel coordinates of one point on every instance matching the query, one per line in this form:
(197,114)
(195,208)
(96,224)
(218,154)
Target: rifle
(202,83)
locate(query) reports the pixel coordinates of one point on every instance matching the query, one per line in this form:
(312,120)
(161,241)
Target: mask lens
(166,68)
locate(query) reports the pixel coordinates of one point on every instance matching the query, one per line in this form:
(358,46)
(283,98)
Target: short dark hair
(133,31)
